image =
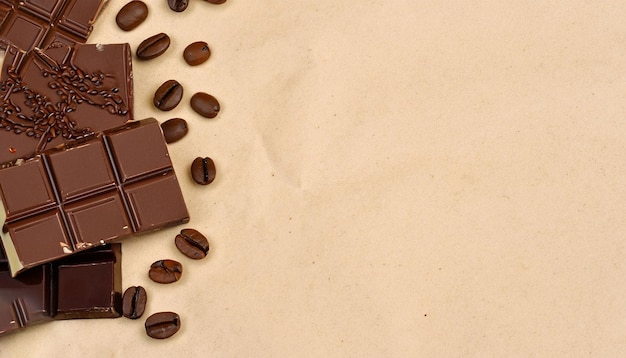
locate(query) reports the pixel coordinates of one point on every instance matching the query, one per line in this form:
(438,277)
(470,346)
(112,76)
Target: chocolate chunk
(165,271)
(196,53)
(79,89)
(217,2)
(134,302)
(38,24)
(174,129)
(203,170)
(131,15)
(162,325)
(168,95)
(153,46)
(84,286)
(178,5)
(192,244)
(89,284)
(70,199)
(205,105)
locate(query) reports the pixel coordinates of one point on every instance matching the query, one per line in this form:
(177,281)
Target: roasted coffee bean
(162,325)
(178,5)
(217,2)
(134,302)
(192,244)
(131,15)
(203,170)
(205,105)
(168,95)
(165,271)
(174,129)
(153,46)
(196,53)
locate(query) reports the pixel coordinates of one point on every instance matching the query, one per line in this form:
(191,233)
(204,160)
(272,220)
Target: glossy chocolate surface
(87,285)
(63,94)
(30,24)
(70,199)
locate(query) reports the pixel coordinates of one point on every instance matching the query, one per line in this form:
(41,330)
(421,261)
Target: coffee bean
(162,325)
(196,53)
(192,244)
(131,15)
(217,2)
(203,170)
(178,5)
(174,129)
(168,95)
(134,302)
(153,46)
(165,271)
(205,105)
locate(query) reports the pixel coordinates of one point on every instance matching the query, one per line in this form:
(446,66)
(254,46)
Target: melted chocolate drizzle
(50,119)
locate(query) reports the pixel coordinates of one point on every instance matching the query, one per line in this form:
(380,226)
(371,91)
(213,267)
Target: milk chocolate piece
(30,24)
(63,94)
(87,285)
(84,195)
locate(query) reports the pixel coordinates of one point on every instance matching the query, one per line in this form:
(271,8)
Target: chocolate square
(133,163)
(156,202)
(89,285)
(45,9)
(79,15)
(39,239)
(25,189)
(81,170)
(22,31)
(97,220)
(24,300)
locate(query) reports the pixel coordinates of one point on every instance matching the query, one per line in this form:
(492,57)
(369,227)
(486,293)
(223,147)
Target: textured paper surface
(395,178)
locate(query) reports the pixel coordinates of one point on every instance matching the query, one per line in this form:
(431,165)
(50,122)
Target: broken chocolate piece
(84,195)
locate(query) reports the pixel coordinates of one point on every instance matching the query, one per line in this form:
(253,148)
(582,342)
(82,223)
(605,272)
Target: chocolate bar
(87,285)
(30,24)
(76,197)
(62,94)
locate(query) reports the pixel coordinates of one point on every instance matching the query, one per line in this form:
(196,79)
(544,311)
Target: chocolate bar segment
(84,195)
(30,24)
(62,95)
(88,285)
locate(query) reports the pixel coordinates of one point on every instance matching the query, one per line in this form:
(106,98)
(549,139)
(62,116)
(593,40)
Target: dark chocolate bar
(87,285)
(30,24)
(69,199)
(62,94)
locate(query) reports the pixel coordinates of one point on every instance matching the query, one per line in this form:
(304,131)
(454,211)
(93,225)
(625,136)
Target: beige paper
(395,179)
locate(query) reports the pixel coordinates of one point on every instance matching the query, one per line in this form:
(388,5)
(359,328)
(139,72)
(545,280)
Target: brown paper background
(395,178)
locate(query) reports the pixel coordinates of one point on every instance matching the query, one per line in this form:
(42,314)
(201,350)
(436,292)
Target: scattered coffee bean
(168,95)
(178,5)
(196,53)
(174,129)
(131,15)
(203,170)
(205,105)
(165,271)
(162,325)
(216,2)
(153,46)
(134,302)
(192,244)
